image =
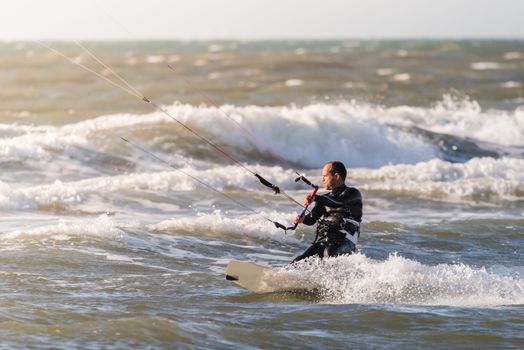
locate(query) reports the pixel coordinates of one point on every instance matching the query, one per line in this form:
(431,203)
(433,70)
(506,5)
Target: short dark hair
(338,167)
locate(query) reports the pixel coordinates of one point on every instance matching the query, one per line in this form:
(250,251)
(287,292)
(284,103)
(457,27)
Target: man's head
(333,175)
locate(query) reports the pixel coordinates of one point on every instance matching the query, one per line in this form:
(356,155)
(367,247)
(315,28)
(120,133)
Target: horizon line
(265,39)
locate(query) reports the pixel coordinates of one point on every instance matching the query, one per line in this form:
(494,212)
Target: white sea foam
(513,55)
(355,85)
(300,51)
(26,142)
(76,192)
(485,65)
(385,71)
(402,77)
(356,133)
(218,222)
(215,48)
(462,117)
(155,59)
(11,198)
(350,132)
(35,143)
(294,82)
(511,84)
(477,178)
(100,227)
(357,279)
(360,134)
(309,135)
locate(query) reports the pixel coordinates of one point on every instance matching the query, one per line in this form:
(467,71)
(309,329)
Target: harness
(353,237)
(325,226)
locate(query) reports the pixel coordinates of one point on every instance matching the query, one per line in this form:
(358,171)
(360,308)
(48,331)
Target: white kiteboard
(265,279)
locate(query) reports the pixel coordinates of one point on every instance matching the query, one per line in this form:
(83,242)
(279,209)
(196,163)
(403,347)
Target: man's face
(327,179)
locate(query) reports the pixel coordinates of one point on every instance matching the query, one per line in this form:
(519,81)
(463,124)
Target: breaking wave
(478,178)
(357,279)
(363,135)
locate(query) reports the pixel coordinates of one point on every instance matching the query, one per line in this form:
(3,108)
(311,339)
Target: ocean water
(104,246)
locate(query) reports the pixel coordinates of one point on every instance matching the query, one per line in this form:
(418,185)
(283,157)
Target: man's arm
(349,196)
(314,215)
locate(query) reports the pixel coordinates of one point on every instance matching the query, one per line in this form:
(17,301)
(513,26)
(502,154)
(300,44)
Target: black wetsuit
(339,214)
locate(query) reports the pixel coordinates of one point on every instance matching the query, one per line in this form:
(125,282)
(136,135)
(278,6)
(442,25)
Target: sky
(259,19)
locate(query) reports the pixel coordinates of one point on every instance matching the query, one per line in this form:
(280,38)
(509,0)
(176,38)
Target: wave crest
(478,178)
(357,279)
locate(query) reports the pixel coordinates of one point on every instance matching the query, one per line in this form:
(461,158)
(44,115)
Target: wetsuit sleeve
(314,215)
(350,196)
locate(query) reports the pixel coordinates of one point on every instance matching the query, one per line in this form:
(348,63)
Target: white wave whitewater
(307,135)
(362,134)
(477,179)
(358,279)
(384,154)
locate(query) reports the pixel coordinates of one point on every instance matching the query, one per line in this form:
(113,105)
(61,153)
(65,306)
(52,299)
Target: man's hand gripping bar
(310,197)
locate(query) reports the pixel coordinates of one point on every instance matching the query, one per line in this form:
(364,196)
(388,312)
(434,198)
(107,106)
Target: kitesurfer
(338,213)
